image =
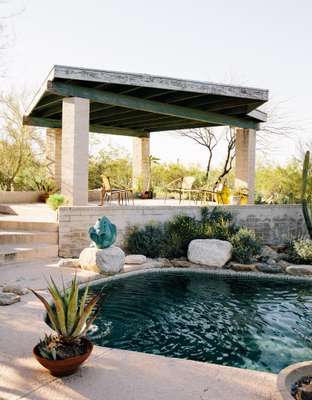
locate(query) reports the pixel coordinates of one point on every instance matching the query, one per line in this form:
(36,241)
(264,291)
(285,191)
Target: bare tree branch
(205,137)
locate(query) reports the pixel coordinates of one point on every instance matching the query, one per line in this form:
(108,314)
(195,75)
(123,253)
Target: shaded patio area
(75,101)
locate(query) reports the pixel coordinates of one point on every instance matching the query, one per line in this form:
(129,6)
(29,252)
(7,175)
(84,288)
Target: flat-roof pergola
(75,101)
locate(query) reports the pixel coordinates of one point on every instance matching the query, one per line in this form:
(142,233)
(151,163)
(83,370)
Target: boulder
(7,299)
(165,263)
(269,268)
(268,253)
(209,252)
(69,263)
(105,261)
(283,264)
(15,288)
(300,270)
(241,267)
(135,259)
(6,210)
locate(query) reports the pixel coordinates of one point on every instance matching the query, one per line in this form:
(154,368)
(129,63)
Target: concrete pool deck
(110,374)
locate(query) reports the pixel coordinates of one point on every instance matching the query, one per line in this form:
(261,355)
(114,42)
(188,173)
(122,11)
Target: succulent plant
(68,317)
(305,200)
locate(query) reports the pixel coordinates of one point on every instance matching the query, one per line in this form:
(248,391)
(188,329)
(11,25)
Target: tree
(230,138)
(205,137)
(21,147)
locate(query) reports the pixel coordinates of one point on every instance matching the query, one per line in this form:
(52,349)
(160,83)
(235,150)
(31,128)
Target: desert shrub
(178,234)
(245,245)
(217,215)
(171,239)
(55,201)
(300,251)
(147,240)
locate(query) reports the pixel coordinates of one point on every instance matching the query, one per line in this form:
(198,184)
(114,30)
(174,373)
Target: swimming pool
(248,323)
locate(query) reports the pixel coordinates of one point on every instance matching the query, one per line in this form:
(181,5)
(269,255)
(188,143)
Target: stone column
(54,154)
(75,150)
(245,161)
(141,169)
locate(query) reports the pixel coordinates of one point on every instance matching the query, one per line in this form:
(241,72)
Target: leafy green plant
(178,234)
(245,245)
(55,201)
(300,251)
(68,317)
(147,240)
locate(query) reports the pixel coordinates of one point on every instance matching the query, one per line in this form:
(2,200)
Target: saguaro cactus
(306,198)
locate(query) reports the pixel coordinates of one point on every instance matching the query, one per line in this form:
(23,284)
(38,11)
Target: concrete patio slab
(109,374)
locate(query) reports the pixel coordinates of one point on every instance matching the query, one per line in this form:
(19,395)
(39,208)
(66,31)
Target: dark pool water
(262,325)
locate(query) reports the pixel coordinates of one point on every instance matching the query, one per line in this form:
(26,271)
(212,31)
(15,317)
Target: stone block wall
(274,224)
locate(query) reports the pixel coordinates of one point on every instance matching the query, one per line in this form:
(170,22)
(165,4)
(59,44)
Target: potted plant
(46,186)
(65,350)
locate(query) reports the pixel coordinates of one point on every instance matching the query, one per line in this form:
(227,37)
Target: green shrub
(147,240)
(300,251)
(55,201)
(245,245)
(171,239)
(217,215)
(178,233)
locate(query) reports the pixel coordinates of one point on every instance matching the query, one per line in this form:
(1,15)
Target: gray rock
(283,264)
(15,288)
(269,268)
(176,262)
(209,252)
(106,261)
(271,261)
(69,263)
(7,299)
(135,259)
(300,270)
(267,252)
(241,267)
(4,209)
(164,262)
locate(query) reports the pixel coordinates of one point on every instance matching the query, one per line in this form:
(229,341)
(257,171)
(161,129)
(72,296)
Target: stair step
(24,225)
(26,237)
(19,253)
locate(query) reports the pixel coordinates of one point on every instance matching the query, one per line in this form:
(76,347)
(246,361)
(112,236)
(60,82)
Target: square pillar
(245,161)
(54,154)
(141,166)
(75,150)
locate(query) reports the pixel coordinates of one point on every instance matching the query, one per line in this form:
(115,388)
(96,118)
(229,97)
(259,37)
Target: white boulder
(135,259)
(300,270)
(209,252)
(15,288)
(105,261)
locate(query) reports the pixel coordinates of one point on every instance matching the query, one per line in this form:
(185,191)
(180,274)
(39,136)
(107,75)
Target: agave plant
(69,317)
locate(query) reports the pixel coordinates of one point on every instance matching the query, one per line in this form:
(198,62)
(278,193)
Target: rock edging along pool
(259,322)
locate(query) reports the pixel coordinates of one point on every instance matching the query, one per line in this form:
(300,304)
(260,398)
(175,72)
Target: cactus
(304,198)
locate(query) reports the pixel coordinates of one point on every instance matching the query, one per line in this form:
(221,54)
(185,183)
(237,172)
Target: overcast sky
(265,44)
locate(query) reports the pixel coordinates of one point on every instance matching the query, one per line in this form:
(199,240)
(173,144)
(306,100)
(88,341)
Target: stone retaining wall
(274,224)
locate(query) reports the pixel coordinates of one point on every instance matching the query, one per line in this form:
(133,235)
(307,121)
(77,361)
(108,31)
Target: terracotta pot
(63,367)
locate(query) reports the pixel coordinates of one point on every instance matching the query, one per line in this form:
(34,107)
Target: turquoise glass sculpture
(103,233)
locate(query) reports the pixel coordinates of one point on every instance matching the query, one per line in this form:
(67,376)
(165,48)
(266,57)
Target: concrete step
(24,225)
(27,237)
(23,252)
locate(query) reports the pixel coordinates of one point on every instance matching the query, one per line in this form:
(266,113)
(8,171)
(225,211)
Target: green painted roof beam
(135,103)
(111,130)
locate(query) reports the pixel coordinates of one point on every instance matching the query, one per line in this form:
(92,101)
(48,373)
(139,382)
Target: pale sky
(265,44)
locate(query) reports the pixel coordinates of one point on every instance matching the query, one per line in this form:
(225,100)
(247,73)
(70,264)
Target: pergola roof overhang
(136,104)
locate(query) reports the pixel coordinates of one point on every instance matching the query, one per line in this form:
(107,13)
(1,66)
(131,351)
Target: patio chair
(122,195)
(181,186)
